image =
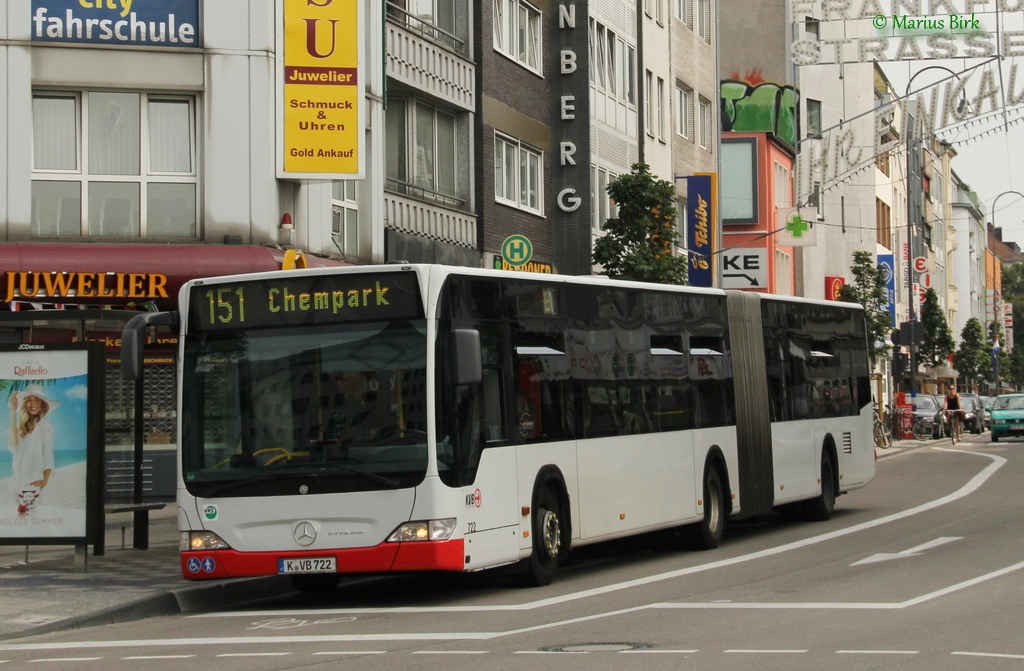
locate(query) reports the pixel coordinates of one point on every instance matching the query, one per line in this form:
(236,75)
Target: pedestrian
(31,444)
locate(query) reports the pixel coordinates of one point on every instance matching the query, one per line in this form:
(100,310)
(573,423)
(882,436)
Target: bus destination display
(304,300)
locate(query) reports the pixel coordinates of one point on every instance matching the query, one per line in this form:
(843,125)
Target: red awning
(125,274)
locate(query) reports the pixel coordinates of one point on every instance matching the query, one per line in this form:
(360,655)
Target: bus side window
(494,423)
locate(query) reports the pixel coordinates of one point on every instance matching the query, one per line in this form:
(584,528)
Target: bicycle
(882,433)
(924,428)
(956,428)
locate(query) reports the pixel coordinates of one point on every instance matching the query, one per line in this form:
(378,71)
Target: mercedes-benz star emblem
(305,533)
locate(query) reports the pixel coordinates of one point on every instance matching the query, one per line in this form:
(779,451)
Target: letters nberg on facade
(319,65)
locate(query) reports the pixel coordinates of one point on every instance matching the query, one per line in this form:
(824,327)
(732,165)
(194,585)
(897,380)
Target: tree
(973,357)
(938,339)
(639,242)
(868,289)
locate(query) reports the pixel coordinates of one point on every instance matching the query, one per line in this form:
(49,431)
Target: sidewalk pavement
(47,588)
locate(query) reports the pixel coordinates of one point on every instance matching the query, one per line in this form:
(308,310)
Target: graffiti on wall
(750,104)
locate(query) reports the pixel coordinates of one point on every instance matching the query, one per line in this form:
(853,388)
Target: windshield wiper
(236,484)
(223,488)
(373,477)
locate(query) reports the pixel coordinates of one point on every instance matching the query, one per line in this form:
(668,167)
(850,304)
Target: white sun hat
(36,390)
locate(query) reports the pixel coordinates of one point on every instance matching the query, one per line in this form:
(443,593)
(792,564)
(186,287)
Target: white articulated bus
(372,419)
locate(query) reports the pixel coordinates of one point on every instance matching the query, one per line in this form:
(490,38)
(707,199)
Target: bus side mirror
(466,361)
(133,340)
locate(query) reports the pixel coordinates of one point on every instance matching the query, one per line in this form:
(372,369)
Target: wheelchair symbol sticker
(193,565)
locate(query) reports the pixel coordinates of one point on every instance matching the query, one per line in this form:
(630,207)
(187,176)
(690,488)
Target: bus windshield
(308,409)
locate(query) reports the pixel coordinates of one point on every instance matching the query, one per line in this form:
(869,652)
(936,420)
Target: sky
(990,147)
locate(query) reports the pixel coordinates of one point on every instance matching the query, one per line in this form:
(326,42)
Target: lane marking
(912,552)
(159,657)
(987,654)
(657,652)
(451,652)
(769,652)
(351,652)
(968,488)
(972,485)
(254,654)
(878,652)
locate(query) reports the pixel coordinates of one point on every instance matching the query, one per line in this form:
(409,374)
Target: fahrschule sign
(148,23)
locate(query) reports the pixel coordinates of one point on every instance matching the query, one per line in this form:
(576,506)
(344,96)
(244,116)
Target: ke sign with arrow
(745,269)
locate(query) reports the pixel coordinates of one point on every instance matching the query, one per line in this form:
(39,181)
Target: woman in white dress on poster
(31,444)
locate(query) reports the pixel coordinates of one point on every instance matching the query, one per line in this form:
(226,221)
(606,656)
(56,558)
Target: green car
(1007,416)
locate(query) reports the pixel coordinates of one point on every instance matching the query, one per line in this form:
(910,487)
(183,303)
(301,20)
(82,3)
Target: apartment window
(812,26)
(660,111)
(705,120)
(681,239)
(683,11)
(345,218)
(612,63)
(602,205)
(882,163)
(783,188)
(813,117)
(648,107)
(420,148)
(704,19)
(434,19)
(883,224)
(517,32)
(684,111)
(659,11)
(114,164)
(518,174)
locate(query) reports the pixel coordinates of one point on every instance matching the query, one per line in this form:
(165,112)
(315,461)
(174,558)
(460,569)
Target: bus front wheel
(547,542)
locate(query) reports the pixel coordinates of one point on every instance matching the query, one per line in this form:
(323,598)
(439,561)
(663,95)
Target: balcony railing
(425,28)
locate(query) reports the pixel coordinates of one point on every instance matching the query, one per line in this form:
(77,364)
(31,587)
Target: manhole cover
(597,647)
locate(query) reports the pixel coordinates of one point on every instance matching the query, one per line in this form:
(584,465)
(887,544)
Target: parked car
(926,407)
(971,405)
(986,412)
(1007,416)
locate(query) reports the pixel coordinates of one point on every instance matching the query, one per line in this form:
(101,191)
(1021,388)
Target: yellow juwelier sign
(320,132)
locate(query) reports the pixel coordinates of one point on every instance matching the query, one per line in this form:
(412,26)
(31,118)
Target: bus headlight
(427,530)
(195,541)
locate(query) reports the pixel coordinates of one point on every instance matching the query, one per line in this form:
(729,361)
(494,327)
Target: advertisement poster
(320,89)
(44,464)
(700,219)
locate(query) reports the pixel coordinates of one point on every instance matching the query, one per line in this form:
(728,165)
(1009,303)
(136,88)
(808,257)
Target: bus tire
(820,509)
(546,525)
(707,534)
(316,583)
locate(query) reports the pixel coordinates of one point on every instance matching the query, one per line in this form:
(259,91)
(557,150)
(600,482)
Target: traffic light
(900,364)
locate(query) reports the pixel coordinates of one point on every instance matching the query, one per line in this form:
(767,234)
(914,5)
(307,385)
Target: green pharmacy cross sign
(797,225)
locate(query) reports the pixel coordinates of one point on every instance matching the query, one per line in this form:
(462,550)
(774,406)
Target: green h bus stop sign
(516,250)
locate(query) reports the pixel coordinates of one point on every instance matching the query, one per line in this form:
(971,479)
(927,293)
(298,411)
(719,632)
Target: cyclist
(955,408)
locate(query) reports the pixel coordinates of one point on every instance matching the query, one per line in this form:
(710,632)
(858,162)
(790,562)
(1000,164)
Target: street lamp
(996,310)
(914,205)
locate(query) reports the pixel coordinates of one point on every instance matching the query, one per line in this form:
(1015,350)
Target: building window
(114,164)
(883,224)
(434,19)
(783,187)
(518,174)
(681,239)
(813,117)
(517,32)
(683,12)
(648,106)
(421,146)
(704,19)
(705,120)
(660,109)
(345,218)
(612,63)
(684,111)
(602,205)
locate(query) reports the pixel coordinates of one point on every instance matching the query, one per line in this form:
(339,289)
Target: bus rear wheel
(707,534)
(820,509)
(546,526)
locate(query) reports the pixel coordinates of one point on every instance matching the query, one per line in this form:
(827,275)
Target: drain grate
(597,647)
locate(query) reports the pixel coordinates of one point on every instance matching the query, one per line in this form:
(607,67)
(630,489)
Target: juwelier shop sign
(149,23)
